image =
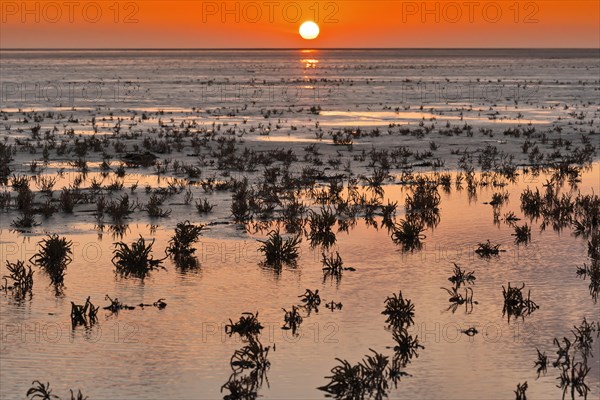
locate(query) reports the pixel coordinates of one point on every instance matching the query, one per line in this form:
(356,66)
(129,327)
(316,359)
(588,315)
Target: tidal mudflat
(296,224)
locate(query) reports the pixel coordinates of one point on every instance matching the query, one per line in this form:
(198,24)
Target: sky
(274,24)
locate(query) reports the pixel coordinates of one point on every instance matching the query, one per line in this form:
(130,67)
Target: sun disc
(309,30)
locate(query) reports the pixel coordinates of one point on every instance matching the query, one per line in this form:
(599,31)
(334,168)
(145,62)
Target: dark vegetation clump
(515,304)
(22,280)
(180,246)
(135,260)
(279,251)
(53,257)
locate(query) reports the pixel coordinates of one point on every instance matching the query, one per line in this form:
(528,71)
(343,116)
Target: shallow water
(182,351)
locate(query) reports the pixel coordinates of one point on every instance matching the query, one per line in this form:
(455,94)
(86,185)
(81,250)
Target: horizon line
(280,48)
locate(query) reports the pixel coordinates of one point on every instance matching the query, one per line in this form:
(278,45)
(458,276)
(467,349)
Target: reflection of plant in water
(572,359)
(371,377)
(515,304)
(253,357)
(457,299)
(592,270)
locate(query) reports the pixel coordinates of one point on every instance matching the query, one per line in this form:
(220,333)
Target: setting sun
(309,30)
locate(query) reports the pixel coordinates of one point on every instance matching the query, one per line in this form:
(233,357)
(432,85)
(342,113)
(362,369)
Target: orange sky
(271,23)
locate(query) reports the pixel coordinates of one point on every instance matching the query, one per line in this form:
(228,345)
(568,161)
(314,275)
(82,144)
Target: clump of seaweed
(311,299)
(292,319)
(115,305)
(247,325)
(204,206)
(520,392)
(408,233)
(486,249)
(153,208)
(333,266)
(572,359)
(369,378)
(321,225)
(461,277)
(279,251)
(84,314)
(457,299)
(135,260)
(180,245)
(406,348)
(541,363)
(53,257)
(515,304)
(42,391)
(22,279)
(522,234)
(399,311)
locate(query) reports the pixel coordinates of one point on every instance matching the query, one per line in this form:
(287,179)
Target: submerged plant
(204,206)
(53,257)
(406,347)
(370,378)
(311,299)
(22,279)
(408,232)
(461,277)
(457,299)
(515,304)
(520,392)
(333,266)
(292,320)
(541,363)
(85,314)
(279,251)
(40,391)
(247,325)
(321,225)
(486,250)
(135,260)
(522,234)
(115,305)
(180,245)
(399,311)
